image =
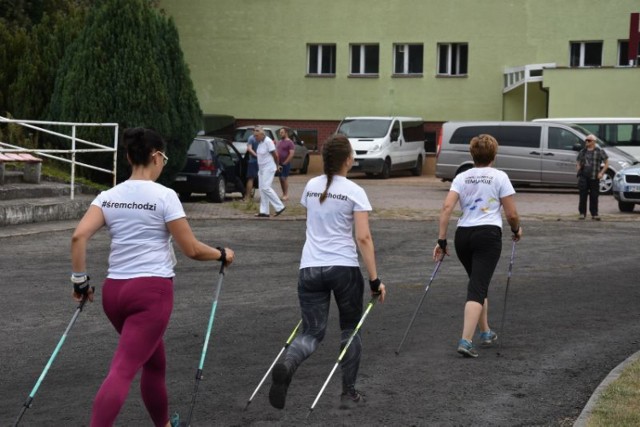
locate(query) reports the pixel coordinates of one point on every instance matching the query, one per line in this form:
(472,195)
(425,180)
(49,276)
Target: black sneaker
(351,398)
(280,380)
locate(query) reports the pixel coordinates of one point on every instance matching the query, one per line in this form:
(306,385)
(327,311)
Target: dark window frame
(321,59)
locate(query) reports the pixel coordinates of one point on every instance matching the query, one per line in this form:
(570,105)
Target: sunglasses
(165,159)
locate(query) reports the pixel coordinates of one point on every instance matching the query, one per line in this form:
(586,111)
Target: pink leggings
(139,309)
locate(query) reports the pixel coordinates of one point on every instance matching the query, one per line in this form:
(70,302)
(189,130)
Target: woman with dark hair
(142,217)
(481,191)
(329,263)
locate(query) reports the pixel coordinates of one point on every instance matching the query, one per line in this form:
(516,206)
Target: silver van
(385,144)
(530,152)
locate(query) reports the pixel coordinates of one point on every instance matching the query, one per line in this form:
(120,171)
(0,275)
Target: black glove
(223,254)
(80,283)
(375,285)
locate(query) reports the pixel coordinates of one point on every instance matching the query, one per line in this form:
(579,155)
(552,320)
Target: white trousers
(268,194)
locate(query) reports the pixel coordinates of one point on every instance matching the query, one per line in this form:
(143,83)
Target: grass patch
(618,404)
(57,174)
(253,206)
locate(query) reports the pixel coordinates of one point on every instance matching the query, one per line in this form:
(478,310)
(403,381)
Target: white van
(619,132)
(529,152)
(385,144)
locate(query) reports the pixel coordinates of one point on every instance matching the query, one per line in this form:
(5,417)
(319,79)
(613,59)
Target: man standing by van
(592,163)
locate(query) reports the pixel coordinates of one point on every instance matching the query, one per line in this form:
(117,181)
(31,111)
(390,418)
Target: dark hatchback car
(214,167)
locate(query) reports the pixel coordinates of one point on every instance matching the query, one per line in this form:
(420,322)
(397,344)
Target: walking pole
(286,344)
(27,403)
(204,347)
(413,318)
(372,302)
(506,290)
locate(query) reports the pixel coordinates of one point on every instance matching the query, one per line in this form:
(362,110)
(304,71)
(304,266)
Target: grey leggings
(315,285)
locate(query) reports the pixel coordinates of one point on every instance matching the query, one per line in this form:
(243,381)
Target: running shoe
(466,349)
(281,378)
(351,398)
(174,421)
(487,338)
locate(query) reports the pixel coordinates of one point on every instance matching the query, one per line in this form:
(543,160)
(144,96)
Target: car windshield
(242,135)
(363,128)
(584,131)
(199,148)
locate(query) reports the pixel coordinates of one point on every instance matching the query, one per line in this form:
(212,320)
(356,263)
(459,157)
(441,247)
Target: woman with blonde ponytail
(335,205)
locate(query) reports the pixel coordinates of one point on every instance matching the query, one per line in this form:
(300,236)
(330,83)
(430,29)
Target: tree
(30,92)
(126,66)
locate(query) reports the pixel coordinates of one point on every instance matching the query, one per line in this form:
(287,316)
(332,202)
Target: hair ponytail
(335,152)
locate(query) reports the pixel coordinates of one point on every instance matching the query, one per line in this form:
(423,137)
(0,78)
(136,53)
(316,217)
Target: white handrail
(73,151)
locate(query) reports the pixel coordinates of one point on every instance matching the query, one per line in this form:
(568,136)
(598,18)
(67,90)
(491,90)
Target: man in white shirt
(267,167)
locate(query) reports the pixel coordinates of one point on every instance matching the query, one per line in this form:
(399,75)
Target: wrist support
(80,283)
(442,243)
(375,285)
(223,254)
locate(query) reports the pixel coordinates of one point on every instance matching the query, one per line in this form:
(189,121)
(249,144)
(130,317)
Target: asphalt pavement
(572,318)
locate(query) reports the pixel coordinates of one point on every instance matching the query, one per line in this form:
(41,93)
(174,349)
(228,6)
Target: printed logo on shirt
(329,195)
(129,205)
(482,179)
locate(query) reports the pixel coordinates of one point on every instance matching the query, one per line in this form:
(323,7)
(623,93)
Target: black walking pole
(506,290)
(187,423)
(413,318)
(27,403)
(286,344)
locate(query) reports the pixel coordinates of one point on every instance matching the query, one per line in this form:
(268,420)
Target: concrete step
(22,203)
(24,211)
(20,190)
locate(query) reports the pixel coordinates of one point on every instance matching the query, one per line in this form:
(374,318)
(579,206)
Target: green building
(309,63)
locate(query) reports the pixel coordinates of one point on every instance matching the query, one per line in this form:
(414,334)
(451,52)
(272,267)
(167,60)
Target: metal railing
(75,142)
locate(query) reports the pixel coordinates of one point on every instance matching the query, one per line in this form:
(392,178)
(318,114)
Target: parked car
(300,160)
(530,152)
(626,188)
(214,167)
(385,144)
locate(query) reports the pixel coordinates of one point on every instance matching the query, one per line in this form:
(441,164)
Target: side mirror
(577,146)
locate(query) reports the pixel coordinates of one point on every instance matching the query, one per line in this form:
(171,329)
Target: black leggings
(314,292)
(478,250)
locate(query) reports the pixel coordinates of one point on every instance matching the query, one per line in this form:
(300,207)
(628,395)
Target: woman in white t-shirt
(481,191)
(137,295)
(330,264)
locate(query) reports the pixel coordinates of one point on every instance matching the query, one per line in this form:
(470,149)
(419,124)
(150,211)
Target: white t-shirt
(329,239)
(265,158)
(480,191)
(136,213)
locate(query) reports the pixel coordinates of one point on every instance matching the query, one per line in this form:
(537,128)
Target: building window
(408,58)
(586,54)
(321,59)
(453,59)
(623,53)
(365,59)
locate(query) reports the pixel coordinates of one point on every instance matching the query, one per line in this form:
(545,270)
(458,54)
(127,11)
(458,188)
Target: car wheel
(626,206)
(220,191)
(417,171)
(305,166)
(463,168)
(606,183)
(386,169)
(184,197)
